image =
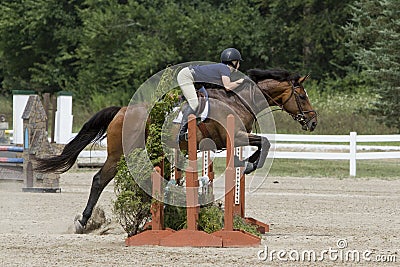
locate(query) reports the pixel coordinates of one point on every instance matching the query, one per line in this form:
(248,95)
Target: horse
(262,89)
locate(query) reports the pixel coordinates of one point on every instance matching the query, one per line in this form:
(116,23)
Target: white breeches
(186,83)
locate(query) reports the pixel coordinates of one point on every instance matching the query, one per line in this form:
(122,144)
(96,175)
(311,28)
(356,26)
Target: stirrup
(183,137)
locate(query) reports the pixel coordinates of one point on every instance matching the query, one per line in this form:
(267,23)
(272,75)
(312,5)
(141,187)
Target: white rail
(352,154)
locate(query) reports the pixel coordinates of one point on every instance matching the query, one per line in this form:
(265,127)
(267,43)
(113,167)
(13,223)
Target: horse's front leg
(265,146)
(257,159)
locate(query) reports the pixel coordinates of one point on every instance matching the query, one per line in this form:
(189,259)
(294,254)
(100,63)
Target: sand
(325,216)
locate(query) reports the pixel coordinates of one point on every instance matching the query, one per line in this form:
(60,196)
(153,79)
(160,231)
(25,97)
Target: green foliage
(158,114)
(109,47)
(120,47)
(174,217)
(306,35)
(98,101)
(132,204)
(6,108)
(211,219)
(241,224)
(374,42)
(106,49)
(339,112)
(37,44)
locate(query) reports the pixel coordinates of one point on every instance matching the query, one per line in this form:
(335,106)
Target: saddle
(203,108)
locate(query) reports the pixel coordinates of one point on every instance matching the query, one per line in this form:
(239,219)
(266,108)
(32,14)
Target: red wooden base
(191,238)
(148,238)
(237,239)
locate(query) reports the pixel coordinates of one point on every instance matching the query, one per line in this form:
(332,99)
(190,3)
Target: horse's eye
(303,97)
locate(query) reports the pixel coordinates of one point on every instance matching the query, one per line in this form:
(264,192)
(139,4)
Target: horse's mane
(255,75)
(280,75)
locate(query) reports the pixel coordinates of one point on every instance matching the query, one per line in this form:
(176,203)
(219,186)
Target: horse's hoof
(250,167)
(78,226)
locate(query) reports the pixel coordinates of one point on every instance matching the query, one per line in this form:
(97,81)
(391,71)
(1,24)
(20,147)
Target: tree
(307,35)
(374,40)
(106,49)
(120,47)
(38,42)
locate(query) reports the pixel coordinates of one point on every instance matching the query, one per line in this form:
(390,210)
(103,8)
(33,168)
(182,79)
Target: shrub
(211,219)
(241,224)
(132,204)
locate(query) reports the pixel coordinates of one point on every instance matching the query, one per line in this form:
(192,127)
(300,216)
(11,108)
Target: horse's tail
(91,132)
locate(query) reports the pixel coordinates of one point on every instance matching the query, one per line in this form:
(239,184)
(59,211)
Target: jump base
(41,190)
(148,238)
(237,239)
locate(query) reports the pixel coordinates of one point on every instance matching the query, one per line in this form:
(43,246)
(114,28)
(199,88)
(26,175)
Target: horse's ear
(303,79)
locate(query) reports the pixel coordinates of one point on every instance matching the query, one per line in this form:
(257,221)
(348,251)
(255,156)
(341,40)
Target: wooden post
(192,182)
(157,207)
(231,237)
(229,173)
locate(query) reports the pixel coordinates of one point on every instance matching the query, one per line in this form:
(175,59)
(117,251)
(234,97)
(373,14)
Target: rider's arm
(229,85)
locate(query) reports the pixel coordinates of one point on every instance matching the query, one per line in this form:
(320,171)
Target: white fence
(347,152)
(349,149)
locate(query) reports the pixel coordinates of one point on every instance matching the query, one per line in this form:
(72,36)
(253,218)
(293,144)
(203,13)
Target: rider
(218,73)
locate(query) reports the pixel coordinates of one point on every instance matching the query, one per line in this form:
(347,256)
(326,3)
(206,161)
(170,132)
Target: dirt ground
(328,217)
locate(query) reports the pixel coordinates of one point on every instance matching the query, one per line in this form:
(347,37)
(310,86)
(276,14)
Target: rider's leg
(185,81)
(187,110)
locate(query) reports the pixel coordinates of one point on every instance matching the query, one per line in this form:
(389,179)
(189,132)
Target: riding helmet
(230,54)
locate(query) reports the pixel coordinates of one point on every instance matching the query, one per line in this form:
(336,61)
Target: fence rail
(352,154)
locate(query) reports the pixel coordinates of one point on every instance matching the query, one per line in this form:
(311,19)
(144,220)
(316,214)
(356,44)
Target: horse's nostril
(313,125)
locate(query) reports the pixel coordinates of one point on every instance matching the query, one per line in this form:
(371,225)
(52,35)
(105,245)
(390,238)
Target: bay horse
(266,88)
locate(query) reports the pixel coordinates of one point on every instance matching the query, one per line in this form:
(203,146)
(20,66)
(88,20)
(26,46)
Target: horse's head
(287,91)
(296,102)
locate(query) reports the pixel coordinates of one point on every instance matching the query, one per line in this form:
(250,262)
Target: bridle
(301,115)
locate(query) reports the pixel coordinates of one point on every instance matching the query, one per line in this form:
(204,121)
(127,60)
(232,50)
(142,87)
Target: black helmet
(230,54)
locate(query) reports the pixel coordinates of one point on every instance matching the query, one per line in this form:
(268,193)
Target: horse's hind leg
(100,180)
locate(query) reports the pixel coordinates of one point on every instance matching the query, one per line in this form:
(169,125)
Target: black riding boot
(184,124)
